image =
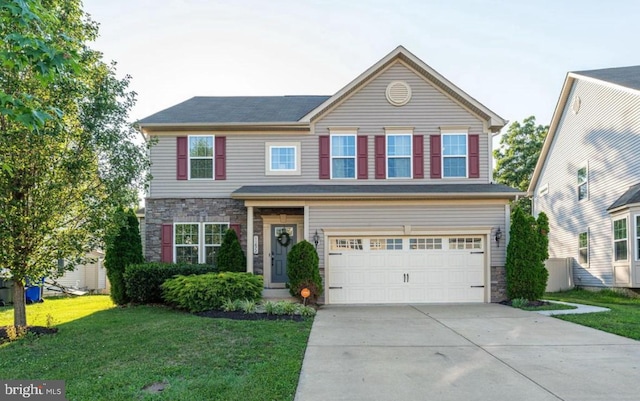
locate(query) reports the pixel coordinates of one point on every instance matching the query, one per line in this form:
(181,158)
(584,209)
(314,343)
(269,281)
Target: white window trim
(392,132)
(636,218)
(202,256)
(587,247)
(354,134)
(584,165)
(297,159)
(613,237)
(444,133)
(213,157)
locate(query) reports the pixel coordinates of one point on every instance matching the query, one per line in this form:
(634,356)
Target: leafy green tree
(230,257)
(124,249)
(526,253)
(518,154)
(303,270)
(69,157)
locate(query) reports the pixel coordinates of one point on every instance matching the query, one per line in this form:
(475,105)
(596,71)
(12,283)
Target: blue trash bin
(33,291)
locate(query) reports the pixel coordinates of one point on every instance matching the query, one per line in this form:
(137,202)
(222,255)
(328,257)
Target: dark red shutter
(166,241)
(381,156)
(236,227)
(221,158)
(474,156)
(324,146)
(182,145)
(418,156)
(363,155)
(436,156)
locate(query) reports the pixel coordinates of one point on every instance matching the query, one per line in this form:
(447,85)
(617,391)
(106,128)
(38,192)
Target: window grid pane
(353,244)
(343,168)
(583,251)
(455,167)
(214,233)
(283,158)
(454,145)
(425,243)
(343,146)
(201,146)
(454,155)
(399,167)
(620,229)
(399,145)
(201,168)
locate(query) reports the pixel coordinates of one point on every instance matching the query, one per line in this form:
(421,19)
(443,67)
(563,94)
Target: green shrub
(123,249)
(519,302)
(230,257)
(209,291)
(248,306)
(269,307)
(303,271)
(143,280)
(526,253)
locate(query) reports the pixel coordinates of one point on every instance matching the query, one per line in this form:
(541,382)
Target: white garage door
(406,269)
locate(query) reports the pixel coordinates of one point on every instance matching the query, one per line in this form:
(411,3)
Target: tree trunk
(19,301)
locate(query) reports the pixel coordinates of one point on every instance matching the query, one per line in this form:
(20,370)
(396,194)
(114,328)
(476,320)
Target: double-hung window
(201,157)
(583,183)
(198,242)
(399,155)
(620,239)
(282,158)
(583,248)
(454,155)
(343,155)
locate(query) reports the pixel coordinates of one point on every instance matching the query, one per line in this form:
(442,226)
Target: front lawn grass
(623,319)
(114,353)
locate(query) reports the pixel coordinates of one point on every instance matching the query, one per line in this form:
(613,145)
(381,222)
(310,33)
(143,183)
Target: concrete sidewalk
(462,352)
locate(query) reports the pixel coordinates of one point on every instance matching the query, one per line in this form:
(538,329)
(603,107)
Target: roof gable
(626,77)
(403,55)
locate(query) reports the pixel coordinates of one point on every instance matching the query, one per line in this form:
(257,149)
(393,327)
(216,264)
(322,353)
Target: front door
(283,237)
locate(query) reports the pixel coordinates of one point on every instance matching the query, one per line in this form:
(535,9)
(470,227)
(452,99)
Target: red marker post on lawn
(305,294)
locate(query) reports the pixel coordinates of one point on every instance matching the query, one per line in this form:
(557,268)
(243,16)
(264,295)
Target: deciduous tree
(69,156)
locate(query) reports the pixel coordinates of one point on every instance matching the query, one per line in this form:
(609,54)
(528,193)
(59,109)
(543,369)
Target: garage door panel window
(465,243)
(341,244)
(388,244)
(425,243)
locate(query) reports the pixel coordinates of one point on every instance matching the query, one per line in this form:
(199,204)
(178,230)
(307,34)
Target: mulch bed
(529,304)
(239,315)
(37,330)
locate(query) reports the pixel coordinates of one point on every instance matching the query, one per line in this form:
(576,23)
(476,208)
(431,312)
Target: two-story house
(390,178)
(587,179)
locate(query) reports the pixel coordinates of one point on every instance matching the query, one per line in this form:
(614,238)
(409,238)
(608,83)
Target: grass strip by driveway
(114,353)
(623,318)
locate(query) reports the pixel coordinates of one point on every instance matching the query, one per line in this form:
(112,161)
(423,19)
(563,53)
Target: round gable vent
(398,93)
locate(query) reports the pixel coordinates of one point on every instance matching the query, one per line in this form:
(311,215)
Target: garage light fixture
(498,236)
(316,239)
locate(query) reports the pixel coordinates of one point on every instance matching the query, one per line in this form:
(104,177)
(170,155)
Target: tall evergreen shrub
(230,257)
(123,249)
(526,253)
(303,271)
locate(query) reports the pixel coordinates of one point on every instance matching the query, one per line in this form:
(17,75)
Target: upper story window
(454,155)
(583,183)
(282,158)
(399,155)
(583,248)
(620,239)
(201,157)
(343,155)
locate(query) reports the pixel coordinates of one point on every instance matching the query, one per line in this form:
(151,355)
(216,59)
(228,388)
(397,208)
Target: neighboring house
(588,177)
(390,178)
(88,277)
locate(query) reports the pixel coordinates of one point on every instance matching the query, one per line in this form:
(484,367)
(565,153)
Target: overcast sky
(512,56)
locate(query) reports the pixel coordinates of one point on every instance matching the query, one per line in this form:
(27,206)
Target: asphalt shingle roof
(236,109)
(624,76)
(354,190)
(632,195)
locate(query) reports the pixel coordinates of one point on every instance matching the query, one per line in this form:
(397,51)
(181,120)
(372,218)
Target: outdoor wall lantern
(498,236)
(316,239)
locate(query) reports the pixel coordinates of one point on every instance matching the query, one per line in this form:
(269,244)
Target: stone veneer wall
(498,283)
(168,211)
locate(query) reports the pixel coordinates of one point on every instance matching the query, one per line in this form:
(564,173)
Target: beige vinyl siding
(428,111)
(606,134)
(418,217)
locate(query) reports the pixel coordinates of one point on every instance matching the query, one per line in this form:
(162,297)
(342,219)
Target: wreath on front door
(284,238)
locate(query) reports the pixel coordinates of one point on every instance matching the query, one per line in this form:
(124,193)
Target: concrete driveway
(462,352)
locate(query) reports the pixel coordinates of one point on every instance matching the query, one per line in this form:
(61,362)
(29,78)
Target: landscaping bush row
(143,280)
(209,291)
